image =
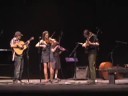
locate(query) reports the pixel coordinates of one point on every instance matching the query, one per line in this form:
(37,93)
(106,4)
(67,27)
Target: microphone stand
(75,58)
(111,54)
(60,37)
(39,60)
(28,62)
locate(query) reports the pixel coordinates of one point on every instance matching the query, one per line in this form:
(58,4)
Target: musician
(17,58)
(91,46)
(47,58)
(57,50)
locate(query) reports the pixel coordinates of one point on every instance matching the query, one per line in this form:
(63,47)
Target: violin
(51,41)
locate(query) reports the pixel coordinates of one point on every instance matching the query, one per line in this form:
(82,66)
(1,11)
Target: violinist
(91,46)
(57,50)
(47,57)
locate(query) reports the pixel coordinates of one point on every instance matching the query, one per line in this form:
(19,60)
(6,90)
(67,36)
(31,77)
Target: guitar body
(21,47)
(19,50)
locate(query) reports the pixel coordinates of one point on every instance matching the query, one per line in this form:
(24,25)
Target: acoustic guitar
(22,46)
(87,41)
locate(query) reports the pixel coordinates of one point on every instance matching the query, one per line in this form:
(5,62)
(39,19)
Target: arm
(54,49)
(41,44)
(89,43)
(94,43)
(13,44)
(85,44)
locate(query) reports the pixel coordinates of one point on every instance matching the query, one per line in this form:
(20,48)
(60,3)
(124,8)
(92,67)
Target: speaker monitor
(82,72)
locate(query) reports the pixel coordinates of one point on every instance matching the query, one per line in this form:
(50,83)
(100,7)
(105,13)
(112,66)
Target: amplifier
(82,72)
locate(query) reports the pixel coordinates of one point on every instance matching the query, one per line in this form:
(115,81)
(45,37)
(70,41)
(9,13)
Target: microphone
(121,42)
(79,43)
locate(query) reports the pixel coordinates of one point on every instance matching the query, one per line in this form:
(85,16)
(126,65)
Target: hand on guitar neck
(21,46)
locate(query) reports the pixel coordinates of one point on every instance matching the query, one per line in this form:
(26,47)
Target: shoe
(15,81)
(90,82)
(51,81)
(57,79)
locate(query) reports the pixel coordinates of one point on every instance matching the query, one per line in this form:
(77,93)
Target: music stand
(73,59)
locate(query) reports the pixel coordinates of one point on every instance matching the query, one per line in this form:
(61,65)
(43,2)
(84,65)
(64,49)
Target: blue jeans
(18,70)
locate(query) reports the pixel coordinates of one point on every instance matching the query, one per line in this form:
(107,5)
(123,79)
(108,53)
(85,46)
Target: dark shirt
(92,48)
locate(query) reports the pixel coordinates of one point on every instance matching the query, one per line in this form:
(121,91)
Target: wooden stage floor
(63,88)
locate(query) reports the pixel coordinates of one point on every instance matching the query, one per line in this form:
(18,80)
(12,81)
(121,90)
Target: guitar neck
(29,40)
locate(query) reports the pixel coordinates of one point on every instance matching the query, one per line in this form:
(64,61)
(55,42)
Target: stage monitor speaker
(82,72)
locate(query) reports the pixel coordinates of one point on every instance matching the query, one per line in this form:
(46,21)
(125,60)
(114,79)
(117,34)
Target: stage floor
(64,87)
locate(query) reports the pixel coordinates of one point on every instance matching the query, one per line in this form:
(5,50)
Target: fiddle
(51,41)
(57,45)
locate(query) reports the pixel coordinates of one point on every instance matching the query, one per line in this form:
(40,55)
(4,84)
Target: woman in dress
(47,57)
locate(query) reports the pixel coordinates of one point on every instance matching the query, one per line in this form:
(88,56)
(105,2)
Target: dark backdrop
(106,18)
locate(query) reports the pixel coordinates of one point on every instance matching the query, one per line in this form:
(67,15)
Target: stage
(63,87)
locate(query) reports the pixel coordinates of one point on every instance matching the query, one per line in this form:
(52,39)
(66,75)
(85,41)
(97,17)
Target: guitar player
(17,58)
(91,46)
